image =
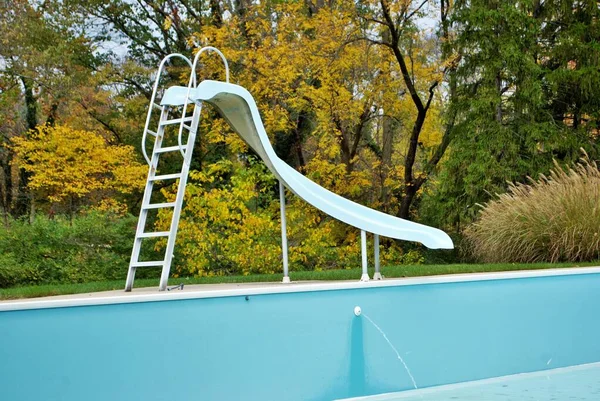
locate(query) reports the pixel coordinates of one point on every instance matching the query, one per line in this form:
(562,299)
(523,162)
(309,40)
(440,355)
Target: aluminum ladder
(187,124)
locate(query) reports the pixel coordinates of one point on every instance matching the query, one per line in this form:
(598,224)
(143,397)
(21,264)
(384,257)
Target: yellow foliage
(311,63)
(232,226)
(298,64)
(67,164)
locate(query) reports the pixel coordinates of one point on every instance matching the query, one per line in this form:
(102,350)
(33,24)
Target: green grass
(350,274)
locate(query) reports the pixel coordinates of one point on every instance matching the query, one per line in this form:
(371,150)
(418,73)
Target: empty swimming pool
(305,341)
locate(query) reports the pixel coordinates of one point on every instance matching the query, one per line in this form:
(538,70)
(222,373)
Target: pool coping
(271,288)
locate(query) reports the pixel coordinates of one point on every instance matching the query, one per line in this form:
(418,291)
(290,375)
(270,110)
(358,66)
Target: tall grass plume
(554,218)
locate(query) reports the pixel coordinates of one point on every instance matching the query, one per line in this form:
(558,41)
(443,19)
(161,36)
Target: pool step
(164,177)
(159,205)
(153,234)
(152,263)
(176,121)
(167,149)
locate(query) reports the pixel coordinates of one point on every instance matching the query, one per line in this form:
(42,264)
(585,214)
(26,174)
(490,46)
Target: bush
(91,247)
(553,219)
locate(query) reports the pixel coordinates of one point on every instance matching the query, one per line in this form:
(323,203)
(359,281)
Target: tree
(524,96)
(70,168)
(395,23)
(41,61)
(569,54)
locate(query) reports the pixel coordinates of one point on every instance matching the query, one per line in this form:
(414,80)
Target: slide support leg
(377,275)
(363,240)
(284,246)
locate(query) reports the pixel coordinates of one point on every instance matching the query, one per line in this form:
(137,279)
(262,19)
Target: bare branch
(431,93)
(105,124)
(409,16)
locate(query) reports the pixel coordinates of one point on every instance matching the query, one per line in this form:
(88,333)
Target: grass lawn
(351,274)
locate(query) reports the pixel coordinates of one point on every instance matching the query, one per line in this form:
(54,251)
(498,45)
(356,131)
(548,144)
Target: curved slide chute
(237,106)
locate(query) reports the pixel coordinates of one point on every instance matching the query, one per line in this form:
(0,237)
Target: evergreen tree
(570,55)
(510,101)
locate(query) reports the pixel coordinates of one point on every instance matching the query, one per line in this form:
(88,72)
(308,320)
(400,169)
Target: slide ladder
(188,126)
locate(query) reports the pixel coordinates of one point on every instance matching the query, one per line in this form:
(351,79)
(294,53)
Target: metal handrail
(192,84)
(154,90)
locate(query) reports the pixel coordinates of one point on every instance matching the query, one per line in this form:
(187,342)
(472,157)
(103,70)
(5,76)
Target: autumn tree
(70,168)
(394,26)
(42,60)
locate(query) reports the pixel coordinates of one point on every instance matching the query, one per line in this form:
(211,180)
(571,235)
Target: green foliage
(91,247)
(501,130)
(527,90)
(570,43)
(553,219)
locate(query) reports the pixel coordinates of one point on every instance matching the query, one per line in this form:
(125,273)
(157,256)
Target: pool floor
(565,384)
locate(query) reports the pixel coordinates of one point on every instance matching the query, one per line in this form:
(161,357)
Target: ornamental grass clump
(555,218)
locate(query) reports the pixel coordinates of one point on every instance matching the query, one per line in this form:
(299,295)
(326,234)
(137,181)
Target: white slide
(237,106)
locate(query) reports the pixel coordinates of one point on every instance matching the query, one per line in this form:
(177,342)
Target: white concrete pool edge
(271,288)
(462,385)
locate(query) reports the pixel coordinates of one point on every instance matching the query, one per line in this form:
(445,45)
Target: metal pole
(284,246)
(377,275)
(363,240)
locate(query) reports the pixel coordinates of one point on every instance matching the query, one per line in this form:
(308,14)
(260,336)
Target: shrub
(91,247)
(555,218)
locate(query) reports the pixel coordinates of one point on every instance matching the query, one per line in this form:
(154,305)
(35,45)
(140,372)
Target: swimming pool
(300,341)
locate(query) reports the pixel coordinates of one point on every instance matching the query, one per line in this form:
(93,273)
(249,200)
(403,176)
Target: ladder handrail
(154,90)
(192,84)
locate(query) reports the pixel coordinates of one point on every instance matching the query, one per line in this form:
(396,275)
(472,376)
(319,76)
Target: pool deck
(153,291)
(151,294)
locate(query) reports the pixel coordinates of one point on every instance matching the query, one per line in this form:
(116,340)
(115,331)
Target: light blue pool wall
(305,346)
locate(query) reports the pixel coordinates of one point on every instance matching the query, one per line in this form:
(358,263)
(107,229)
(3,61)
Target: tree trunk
(391,39)
(21,200)
(216,14)
(410,189)
(387,147)
(499,105)
(409,196)
(30,104)
(51,119)
(5,190)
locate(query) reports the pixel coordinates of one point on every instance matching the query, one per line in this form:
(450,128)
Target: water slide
(237,106)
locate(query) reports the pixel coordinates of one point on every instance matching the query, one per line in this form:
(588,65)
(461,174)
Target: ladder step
(147,264)
(151,132)
(169,149)
(159,205)
(158,106)
(176,121)
(154,234)
(165,177)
